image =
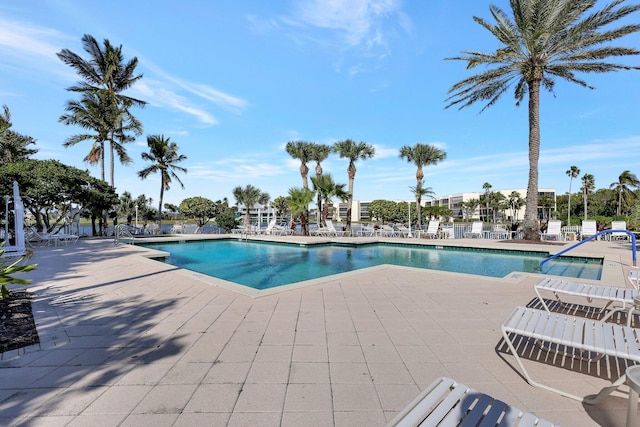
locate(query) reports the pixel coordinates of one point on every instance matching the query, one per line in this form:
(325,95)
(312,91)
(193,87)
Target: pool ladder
(595,236)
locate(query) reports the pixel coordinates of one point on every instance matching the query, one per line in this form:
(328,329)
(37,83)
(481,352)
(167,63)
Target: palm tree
(164,155)
(319,153)
(623,186)
(516,202)
(353,151)
(469,207)
(544,40)
(249,197)
(421,155)
(106,75)
(299,199)
(487,190)
(303,151)
(572,172)
(326,189)
(13,146)
(420,191)
(588,184)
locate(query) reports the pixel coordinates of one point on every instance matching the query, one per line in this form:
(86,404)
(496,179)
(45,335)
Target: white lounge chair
(448,403)
(616,299)
(328,231)
(594,337)
(589,228)
(554,230)
(432,230)
(476,231)
(386,231)
(500,232)
(619,235)
(634,278)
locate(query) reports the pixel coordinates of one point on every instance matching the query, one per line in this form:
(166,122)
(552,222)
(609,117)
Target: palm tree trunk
(160,205)
(569,203)
(352,177)
(531,225)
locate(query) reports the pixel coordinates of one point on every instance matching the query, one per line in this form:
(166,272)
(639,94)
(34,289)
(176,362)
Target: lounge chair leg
(601,395)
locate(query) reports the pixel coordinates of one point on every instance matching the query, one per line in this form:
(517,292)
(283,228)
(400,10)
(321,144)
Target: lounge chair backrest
(434,224)
(589,227)
(554,227)
(476,227)
(618,225)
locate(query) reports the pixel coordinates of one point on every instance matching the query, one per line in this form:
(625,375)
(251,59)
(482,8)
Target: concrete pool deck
(128,341)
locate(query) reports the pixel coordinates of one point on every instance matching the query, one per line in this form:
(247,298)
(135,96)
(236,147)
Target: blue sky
(232,82)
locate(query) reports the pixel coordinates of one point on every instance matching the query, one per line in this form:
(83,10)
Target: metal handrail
(633,245)
(122,230)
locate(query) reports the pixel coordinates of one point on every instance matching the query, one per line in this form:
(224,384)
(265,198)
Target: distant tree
(572,172)
(172,209)
(588,184)
(165,158)
(516,202)
(13,146)
(421,155)
(469,208)
(48,188)
(299,199)
(281,206)
(353,151)
(126,206)
(249,196)
(383,210)
(544,40)
(626,181)
(199,208)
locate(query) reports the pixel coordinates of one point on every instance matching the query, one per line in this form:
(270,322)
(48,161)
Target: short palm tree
(588,184)
(353,151)
(626,181)
(487,191)
(421,155)
(572,172)
(165,158)
(327,189)
(299,199)
(106,74)
(544,40)
(249,197)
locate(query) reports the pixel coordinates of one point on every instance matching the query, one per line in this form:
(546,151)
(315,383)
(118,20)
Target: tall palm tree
(572,172)
(249,197)
(165,158)
(544,40)
(105,73)
(303,151)
(95,114)
(588,184)
(421,155)
(319,153)
(353,151)
(299,199)
(623,186)
(515,203)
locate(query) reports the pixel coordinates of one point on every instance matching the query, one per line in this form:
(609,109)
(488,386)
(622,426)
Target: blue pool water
(267,265)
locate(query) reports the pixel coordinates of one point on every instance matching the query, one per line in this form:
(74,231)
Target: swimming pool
(262,265)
